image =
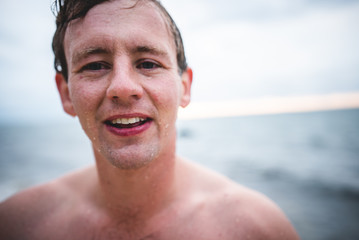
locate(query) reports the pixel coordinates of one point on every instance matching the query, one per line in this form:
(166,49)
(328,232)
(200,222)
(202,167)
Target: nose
(124,85)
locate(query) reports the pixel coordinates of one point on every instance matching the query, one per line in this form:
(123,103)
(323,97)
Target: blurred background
(275,103)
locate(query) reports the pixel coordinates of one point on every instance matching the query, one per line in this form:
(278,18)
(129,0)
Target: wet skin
(125,88)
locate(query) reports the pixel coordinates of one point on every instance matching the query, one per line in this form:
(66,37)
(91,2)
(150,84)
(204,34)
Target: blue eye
(147,65)
(95,66)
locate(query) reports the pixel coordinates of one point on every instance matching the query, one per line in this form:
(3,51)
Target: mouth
(125,123)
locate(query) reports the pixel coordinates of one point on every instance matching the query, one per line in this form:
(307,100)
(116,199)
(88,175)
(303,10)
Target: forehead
(116,22)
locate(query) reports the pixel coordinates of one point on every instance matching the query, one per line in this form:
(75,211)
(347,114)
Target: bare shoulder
(259,216)
(240,211)
(26,211)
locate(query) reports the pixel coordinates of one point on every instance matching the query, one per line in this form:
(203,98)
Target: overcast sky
(238,49)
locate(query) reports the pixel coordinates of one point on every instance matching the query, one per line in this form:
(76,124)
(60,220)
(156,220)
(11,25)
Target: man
(121,70)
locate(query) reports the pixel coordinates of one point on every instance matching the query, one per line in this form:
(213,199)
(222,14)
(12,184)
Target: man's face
(123,82)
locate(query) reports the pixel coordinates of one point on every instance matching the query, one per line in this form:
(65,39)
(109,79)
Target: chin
(127,159)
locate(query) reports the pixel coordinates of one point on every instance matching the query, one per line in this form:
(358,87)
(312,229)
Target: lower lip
(127,132)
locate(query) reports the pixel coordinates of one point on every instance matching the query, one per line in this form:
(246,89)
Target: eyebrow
(147,49)
(84,53)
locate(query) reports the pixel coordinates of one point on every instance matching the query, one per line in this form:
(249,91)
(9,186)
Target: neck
(137,193)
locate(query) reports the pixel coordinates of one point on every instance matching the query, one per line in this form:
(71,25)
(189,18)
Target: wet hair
(69,10)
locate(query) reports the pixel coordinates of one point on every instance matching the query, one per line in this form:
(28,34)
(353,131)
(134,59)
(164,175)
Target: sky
(238,50)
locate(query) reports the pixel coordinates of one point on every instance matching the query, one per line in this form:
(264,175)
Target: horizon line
(270,105)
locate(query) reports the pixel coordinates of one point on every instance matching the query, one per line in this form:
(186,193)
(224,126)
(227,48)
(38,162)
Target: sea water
(308,163)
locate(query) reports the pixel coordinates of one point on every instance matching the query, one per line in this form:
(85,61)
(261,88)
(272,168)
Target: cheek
(166,98)
(84,96)
(167,94)
(85,101)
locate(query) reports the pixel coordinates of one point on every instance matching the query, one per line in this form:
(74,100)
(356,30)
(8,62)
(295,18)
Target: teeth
(128,120)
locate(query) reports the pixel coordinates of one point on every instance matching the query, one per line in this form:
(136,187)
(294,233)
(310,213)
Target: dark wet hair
(68,10)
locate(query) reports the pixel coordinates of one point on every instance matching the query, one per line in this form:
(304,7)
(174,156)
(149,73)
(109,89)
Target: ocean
(308,163)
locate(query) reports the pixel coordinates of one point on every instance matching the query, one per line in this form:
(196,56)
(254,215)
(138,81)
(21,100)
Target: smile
(128,126)
(127,121)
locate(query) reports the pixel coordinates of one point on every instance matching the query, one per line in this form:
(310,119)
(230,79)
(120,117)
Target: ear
(63,88)
(187,77)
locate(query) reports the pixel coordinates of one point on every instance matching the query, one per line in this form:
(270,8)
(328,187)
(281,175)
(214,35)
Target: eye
(95,66)
(147,65)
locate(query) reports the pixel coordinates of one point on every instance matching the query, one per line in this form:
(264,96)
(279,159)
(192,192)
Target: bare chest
(179,227)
